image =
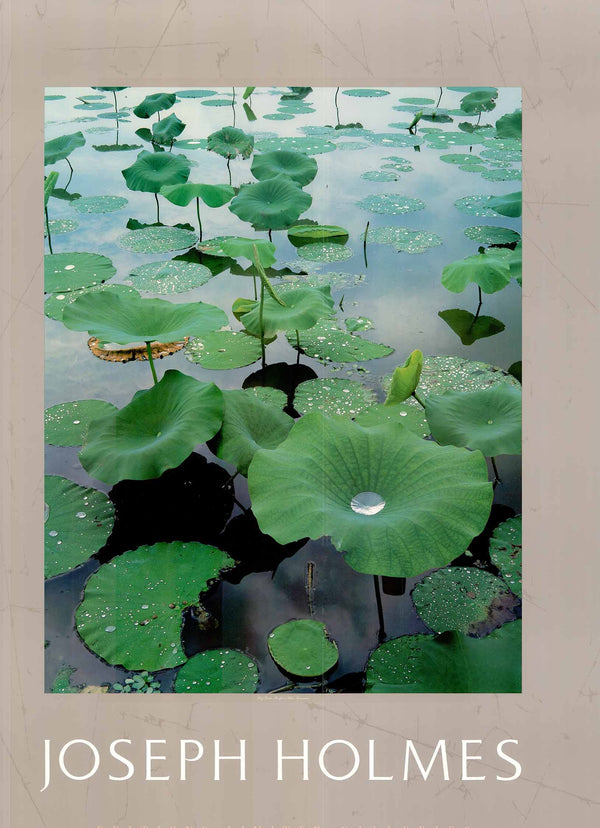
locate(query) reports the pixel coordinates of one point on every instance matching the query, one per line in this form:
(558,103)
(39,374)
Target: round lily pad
(174,276)
(501,175)
(310,146)
(302,234)
(195,93)
(475,205)
(303,648)
(447,140)
(488,272)
(230,142)
(272,204)
(461,158)
(448,373)
(393,139)
(303,307)
(333,396)
(77,525)
(435,499)
(379,175)
(509,204)
(70,271)
(132,609)
(220,350)
(506,553)
(327,342)
(158,239)
(191,143)
(59,227)
(217,102)
(99,204)
(489,234)
(271,396)
(398,163)
(218,671)
(57,302)
(415,241)
(497,154)
(54,97)
(366,93)
(358,323)
(417,101)
(459,598)
(156,431)
(153,170)
(325,252)
(93,105)
(409,416)
(301,168)
(66,424)
(390,204)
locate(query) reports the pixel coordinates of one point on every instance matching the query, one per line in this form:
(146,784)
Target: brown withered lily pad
(139,352)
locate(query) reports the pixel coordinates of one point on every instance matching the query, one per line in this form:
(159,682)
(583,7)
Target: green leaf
(509,126)
(333,396)
(218,671)
(230,142)
(78,522)
(488,234)
(304,306)
(327,342)
(366,93)
(273,204)
(213,195)
(123,319)
(220,350)
(157,239)
(153,170)
(154,103)
(59,148)
(506,553)
(435,499)
(248,425)
(409,416)
(62,682)
(299,167)
(247,92)
(195,93)
(309,146)
(303,648)
(57,302)
(509,204)
(325,252)
(71,271)
(238,246)
(156,431)
(470,328)
(132,609)
(448,663)
(390,204)
(512,258)
(489,273)
(49,185)
(446,373)
(482,100)
(165,131)
(99,204)
(66,424)
(488,420)
(405,379)
(174,276)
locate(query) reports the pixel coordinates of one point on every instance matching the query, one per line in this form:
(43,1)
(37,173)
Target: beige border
(549,50)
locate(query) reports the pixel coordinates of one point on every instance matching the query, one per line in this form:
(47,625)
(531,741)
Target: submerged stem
(157,208)
(379,609)
(48,229)
(71,175)
(255,291)
(365,244)
(260,322)
(199,222)
(440,98)
(335,100)
(282,689)
(151,361)
(495,468)
(229,170)
(418,399)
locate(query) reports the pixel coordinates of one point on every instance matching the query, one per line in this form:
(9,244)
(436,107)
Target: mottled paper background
(551,50)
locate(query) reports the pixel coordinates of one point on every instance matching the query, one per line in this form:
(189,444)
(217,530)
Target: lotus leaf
(409,416)
(333,396)
(273,204)
(169,277)
(248,425)
(358,323)
(299,167)
(489,273)
(436,499)
(57,302)
(448,663)
(220,350)
(131,613)
(446,373)
(469,327)
(195,93)
(392,139)
(59,148)
(366,93)
(379,175)
(508,204)
(49,186)
(58,227)
(66,424)
(448,140)
(501,175)
(329,343)
(390,204)
(99,204)
(268,395)
(398,163)
(309,146)
(191,143)
(213,195)
(218,671)
(460,158)
(165,131)
(153,170)
(217,102)
(109,88)
(230,142)
(154,103)
(325,252)
(481,100)
(303,648)
(307,233)
(156,431)
(237,246)
(78,524)
(476,205)
(488,234)
(506,553)
(405,379)
(157,239)
(488,420)
(512,258)
(303,307)
(502,157)
(72,271)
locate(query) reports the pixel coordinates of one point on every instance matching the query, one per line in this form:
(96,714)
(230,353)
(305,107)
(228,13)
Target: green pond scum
(264,474)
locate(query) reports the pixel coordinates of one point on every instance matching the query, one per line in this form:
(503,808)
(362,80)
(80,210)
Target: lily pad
(366,93)
(99,204)
(504,157)
(325,252)
(309,146)
(506,553)
(59,227)
(333,280)
(268,395)
(66,424)
(165,131)
(448,140)
(273,204)
(230,142)
(512,258)
(397,163)
(489,234)
(409,416)
(191,143)
(132,610)
(298,166)
(415,241)
(471,328)
(461,158)
(60,148)
(379,175)
(57,302)
(327,342)
(213,195)
(303,307)
(71,271)
(157,239)
(302,234)
(393,139)
(508,204)
(303,648)
(462,598)
(333,396)
(156,431)
(237,246)
(358,323)
(448,373)
(390,204)
(435,499)
(448,663)
(218,671)
(195,93)
(476,205)
(481,100)
(154,103)
(405,379)
(169,277)
(489,273)
(78,524)
(153,170)
(510,126)
(220,350)
(488,420)
(501,175)
(217,102)
(248,425)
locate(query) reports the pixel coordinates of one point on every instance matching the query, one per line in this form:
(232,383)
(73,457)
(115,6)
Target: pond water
(398,293)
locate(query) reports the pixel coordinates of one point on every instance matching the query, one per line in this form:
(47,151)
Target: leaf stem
(198,214)
(151,361)
(229,170)
(365,244)
(440,98)
(379,609)
(335,101)
(260,322)
(418,399)
(283,689)
(71,175)
(157,208)
(493,459)
(48,230)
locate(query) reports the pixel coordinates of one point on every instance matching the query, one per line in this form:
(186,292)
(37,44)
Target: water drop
(70,267)
(53,533)
(490,422)
(367,503)
(110,629)
(76,422)
(80,514)
(404,413)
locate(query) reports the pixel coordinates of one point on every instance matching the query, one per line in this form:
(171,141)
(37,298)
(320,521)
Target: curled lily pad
(154,103)
(510,126)
(99,204)
(329,343)
(66,424)
(303,648)
(174,276)
(248,425)
(132,610)
(64,272)
(481,100)
(489,273)
(237,246)
(488,420)
(59,148)
(230,142)
(220,350)
(512,258)
(303,307)
(156,431)
(153,170)
(507,205)
(301,168)
(127,318)
(157,239)
(433,500)
(405,379)
(506,553)
(213,195)
(390,204)
(218,671)
(448,663)
(57,302)
(78,524)
(273,204)
(489,234)
(165,131)
(469,327)
(333,396)
(409,416)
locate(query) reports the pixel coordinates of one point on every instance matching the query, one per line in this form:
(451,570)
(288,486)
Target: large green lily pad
(333,396)
(66,424)
(303,307)
(221,350)
(157,239)
(165,131)
(59,148)
(154,103)
(489,273)
(248,425)
(489,234)
(153,170)
(448,663)
(509,204)
(327,342)
(506,553)
(218,671)
(230,142)
(476,205)
(298,166)
(273,204)
(237,246)
(510,126)
(433,500)
(447,373)
(213,195)
(77,525)
(174,276)
(303,648)
(309,146)
(302,234)
(132,610)
(156,431)
(366,93)
(409,416)
(56,303)
(481,100)
(64,272)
